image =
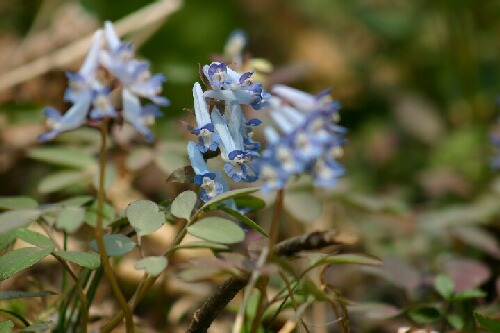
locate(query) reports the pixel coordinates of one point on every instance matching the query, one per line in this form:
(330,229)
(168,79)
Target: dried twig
(205,315)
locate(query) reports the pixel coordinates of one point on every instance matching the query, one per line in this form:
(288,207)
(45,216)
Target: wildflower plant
(110,88)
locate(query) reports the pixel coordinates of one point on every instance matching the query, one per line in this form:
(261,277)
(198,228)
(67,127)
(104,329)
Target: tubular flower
(306,140)
(228,85)
(207,138)
(209,187)
(239,162)
(109,66)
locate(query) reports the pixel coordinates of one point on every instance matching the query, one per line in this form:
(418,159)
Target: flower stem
(83,299)
(273,238)
(108,271)
(148,281)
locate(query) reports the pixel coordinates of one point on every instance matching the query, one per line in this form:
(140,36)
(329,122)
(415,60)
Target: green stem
(83,299)
(148,281)
(273,238)
(129,324)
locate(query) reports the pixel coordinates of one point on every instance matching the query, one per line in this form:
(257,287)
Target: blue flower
(80,93)
(228,85)
(310,142)
(238,160)
(209,187)
(135,79)
(102,105)
(207,139)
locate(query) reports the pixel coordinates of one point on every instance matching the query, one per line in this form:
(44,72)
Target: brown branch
(204,316)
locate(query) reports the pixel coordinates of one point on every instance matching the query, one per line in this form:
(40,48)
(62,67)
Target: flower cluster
(308,140)
(226,129)
(109,84)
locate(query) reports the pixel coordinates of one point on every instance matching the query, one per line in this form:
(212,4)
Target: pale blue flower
(310,142)
(80,93)
(209,186)
(207,139)
(238,160)
(228,85)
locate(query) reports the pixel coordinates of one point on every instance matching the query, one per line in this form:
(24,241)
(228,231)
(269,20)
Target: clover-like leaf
(116,245)
(70,219)
(12,203)
(218,230)
(16,218)
(183,205)
(34,238)
(6,326)
(145,216)
(303,206)
(85,259)
(152,265)
(19,259)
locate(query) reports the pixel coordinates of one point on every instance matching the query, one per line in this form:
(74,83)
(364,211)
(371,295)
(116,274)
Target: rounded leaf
(218,230)
(183,205)
(34,238)
(116,245)
(145,216)
(153,265)
(70,219)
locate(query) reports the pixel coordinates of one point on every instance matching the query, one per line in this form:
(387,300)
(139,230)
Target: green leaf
(229,195)
(455,321)
(145,216)
(425,314)
(183,175)
(242,218)
(85,259)
(110,174)
(490,324)
(7,239)
(91,214)
(467,294)
(183,205)
(57,181)
(37,327)
(19,259)
(116,245)
(218,230)
(16,218)
(202,245)
(444,286)
(153,265)
(70,157)
(34,238)
(70,219)
(303,206)
(12,203)
(6,326)
(12,294)
(376,311)
(358,259)
(250,201)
